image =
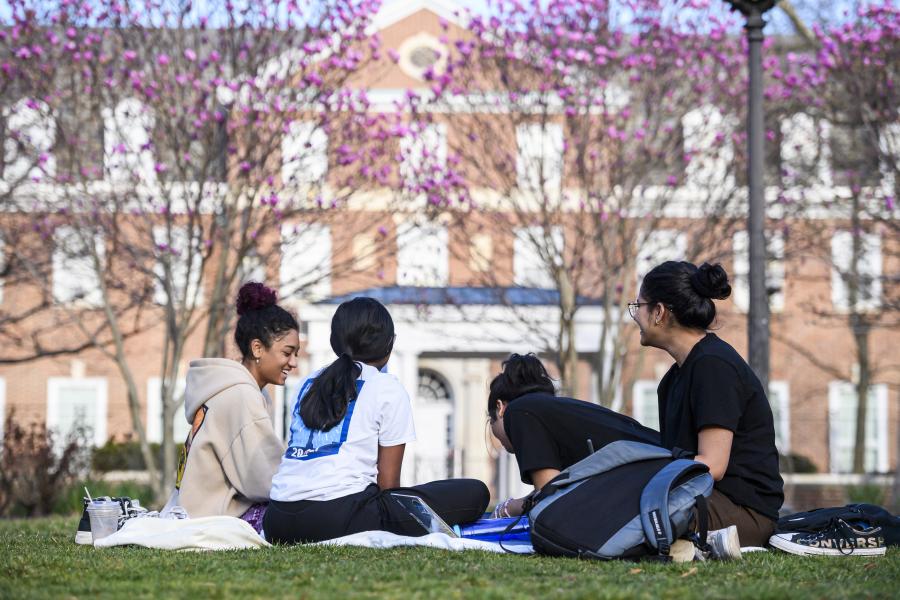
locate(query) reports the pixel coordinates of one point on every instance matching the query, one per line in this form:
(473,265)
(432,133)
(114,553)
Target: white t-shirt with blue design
(324,465)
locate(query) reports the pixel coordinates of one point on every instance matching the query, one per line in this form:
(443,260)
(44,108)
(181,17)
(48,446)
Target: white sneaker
(724,544)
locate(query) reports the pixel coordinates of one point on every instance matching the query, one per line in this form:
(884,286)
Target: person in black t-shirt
(549,433)
(711,404)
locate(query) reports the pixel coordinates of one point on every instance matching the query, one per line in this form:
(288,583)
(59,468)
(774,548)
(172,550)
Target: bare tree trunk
(567,349)
(217,321)
(861,338)
(860,329)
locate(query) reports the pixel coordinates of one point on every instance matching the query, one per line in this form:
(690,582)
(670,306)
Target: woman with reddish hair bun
(232,450)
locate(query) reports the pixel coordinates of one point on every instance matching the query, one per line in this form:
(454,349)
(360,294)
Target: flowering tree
(170,151)
(850,73)
(592,131)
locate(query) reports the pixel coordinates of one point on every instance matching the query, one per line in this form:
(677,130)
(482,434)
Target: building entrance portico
(445,356)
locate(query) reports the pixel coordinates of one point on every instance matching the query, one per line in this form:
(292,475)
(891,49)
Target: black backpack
(820,519)
(627,500)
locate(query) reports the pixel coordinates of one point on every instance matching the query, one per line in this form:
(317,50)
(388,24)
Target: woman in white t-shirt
(349,428)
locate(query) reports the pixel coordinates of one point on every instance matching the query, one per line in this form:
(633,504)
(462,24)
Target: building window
(365,252)
(75,277)
(854,156)
(842,402)
(74,403)
(539,160)
(868,279)
(645,403)
(179,266)
(180,426)
(304,154)
(422,255)
(657,247)
(536,253)
(423,153)
(305,269)
(706,133)
(774,271)
(80,131)
(481,253)
(29,134)
(780,401)
(804,151)
(252,268)
(126,141)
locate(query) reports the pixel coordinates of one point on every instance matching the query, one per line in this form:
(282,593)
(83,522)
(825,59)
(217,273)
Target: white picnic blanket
(230,533)
(205,533)
(385,539)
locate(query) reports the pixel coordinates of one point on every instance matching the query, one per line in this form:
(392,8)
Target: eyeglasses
(633,308)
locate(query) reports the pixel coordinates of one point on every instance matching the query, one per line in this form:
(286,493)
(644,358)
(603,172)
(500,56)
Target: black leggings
(455,500)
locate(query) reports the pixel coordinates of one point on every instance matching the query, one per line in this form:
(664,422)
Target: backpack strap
(655,517)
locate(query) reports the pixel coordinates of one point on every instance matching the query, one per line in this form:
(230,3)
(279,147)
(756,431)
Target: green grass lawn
(38,559)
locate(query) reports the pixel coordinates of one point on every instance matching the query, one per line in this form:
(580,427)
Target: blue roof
(461,296)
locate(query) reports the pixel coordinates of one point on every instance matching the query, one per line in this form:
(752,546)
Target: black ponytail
(520,375)
(687,290)
(361,331)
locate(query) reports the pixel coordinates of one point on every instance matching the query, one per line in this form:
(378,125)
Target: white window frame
(154,412)
(422,149)
(539,157)
(878,402)
(782,395)
(775,277)
(308,245)
(183,274)
(529,269)
(656,247)
(74,278)
(638,391)
(870,264)
(304,154)
(56,384)
(423,254)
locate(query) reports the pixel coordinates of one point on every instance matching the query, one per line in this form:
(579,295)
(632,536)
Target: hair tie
(344,354)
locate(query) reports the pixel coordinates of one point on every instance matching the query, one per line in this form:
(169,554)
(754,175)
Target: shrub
(70,500)
(125,456)
(36,467)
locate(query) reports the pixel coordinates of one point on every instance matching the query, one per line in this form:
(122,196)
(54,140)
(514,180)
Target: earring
(257,361)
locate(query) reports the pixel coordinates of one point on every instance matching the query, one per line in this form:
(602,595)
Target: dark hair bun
(711,281)
(255,296)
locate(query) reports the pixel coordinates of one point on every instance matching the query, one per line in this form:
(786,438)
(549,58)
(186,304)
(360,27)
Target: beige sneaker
(682,551)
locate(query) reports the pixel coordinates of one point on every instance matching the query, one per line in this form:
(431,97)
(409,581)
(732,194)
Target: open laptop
(424,515)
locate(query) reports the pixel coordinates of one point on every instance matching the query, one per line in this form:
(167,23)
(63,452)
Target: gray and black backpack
(627,500)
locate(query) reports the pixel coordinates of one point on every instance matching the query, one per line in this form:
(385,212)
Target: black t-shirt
(716,388)
(550,432)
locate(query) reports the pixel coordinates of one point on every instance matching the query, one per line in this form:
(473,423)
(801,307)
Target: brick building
(453,330)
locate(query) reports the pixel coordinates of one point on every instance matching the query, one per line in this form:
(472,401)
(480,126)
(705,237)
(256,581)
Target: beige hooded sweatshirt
(233,450)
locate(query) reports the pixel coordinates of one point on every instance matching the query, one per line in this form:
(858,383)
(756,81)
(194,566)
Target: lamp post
(758,314)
